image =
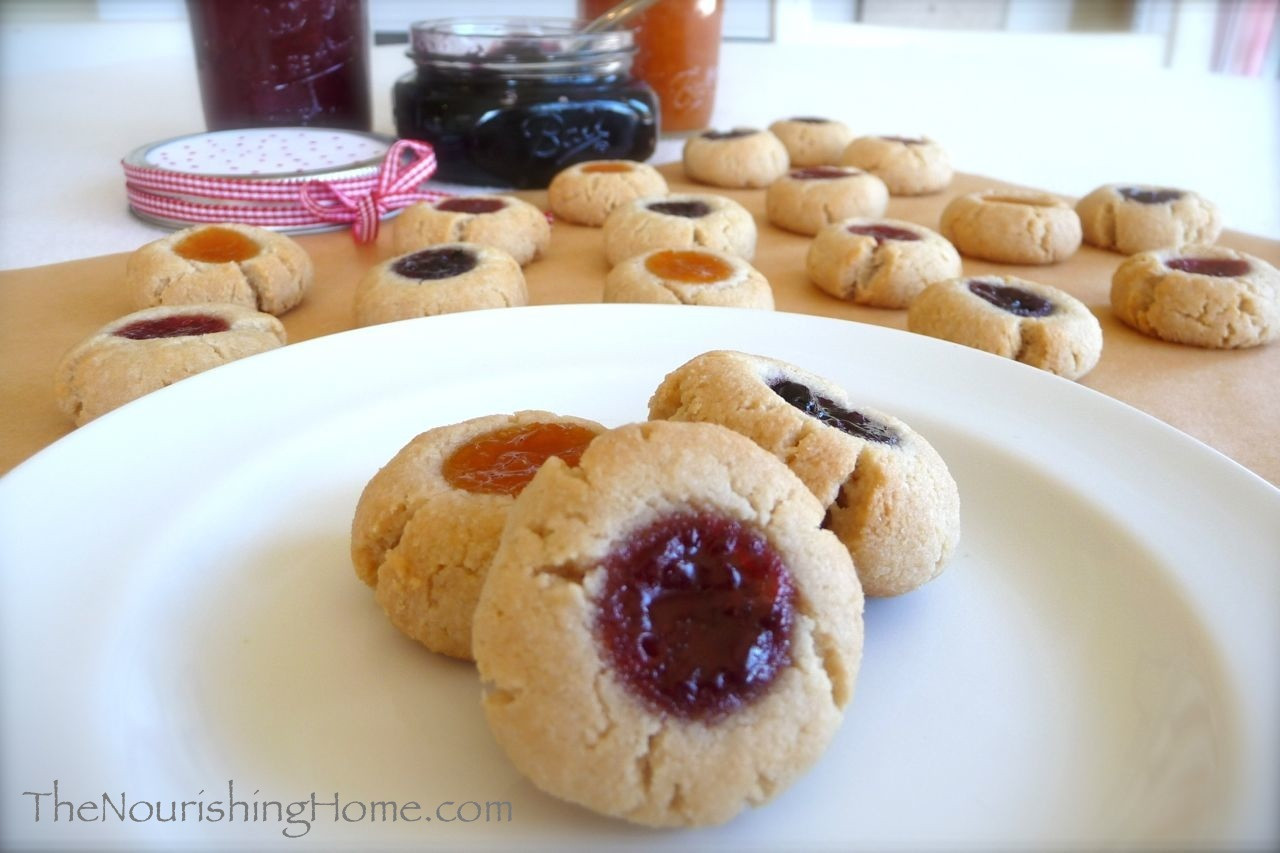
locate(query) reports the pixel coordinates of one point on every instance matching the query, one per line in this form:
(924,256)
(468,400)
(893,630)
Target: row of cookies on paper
(685,593)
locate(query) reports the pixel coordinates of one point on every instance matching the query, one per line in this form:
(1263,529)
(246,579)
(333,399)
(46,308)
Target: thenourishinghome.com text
(297,816)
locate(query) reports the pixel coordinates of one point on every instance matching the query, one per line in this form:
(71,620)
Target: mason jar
(510,102)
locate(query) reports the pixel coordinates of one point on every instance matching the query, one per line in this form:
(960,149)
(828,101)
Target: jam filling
(471,205)
(811,120)
(1015,300)
(687,209)
(882,233)
(736,133)
(832,414)
(905,140)
(696,615)
(607,167)
(503,462)
(216,245)
(820,173)
(688,267)
(1145,196)
(173,326)
(432,264)
(1217,267)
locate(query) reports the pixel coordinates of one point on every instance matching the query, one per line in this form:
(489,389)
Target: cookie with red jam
(885,492)
(221,263)
(586,193)
(501,221)
(738,158)
(808,199)
(679,221)
(1029,322)
(440,279)
(1012,226)
(908,165)
(428,523)
(666,635)
(150,349)
(688,277)
(1133,218)
(879,262)
(1200,295)
(812,141)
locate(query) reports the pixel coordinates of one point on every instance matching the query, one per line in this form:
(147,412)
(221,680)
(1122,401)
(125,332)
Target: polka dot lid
(290,178)
(266,152)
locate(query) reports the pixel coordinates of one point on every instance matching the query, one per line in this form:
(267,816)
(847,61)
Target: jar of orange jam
(678,54)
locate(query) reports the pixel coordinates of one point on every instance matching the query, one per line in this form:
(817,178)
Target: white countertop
(1061,113)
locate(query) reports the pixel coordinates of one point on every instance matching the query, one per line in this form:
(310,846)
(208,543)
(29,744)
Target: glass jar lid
(518,46)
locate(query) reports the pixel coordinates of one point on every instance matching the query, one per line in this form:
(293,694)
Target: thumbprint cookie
(666,634)
(223,263)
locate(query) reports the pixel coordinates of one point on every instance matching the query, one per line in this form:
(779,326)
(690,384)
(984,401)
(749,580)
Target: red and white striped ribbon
(361,201)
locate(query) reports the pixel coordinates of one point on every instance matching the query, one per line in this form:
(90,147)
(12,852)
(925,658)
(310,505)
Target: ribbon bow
(407,164)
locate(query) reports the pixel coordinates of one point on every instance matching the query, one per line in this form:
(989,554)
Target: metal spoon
(618,15)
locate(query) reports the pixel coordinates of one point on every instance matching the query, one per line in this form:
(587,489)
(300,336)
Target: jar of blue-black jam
(511,102)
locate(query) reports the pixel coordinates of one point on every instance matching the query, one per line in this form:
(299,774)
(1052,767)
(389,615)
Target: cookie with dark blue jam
(1026,321)
(666,625)
(440,279)
(888,495)
(1132,218)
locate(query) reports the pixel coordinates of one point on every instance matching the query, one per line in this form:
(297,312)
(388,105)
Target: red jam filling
(216,245)
(503,462)
(688,267)
(471,205)
(882,233)
(607,167)
(696,615)
(1015,300)
(833,414)
(821,173)
(432,264)
(1149,196)
(1217,267)
(687,209)
(173,326)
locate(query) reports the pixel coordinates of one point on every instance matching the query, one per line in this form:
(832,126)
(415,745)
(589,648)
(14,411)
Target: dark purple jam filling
(173,326)
(736,133)
(471,205)
(883,232)
(687,209)
(820,173)
(832,414)
(432,264)
(811,120)
(696,615)
(1146,196)
(1015,300)
(905,140)
(1218,267)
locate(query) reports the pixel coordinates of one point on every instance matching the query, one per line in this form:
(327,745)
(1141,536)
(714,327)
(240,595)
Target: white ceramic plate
(1097,665)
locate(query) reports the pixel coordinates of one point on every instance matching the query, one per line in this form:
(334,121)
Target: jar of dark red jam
(511,102)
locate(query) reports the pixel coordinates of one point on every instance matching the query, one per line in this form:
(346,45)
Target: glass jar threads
(511,102)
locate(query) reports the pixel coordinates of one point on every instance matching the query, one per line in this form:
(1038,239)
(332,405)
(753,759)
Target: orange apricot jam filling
(607,167)
(503,462)
(216,245)
(688,267)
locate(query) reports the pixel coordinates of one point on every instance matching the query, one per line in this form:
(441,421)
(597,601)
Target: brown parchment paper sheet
(1228,399)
